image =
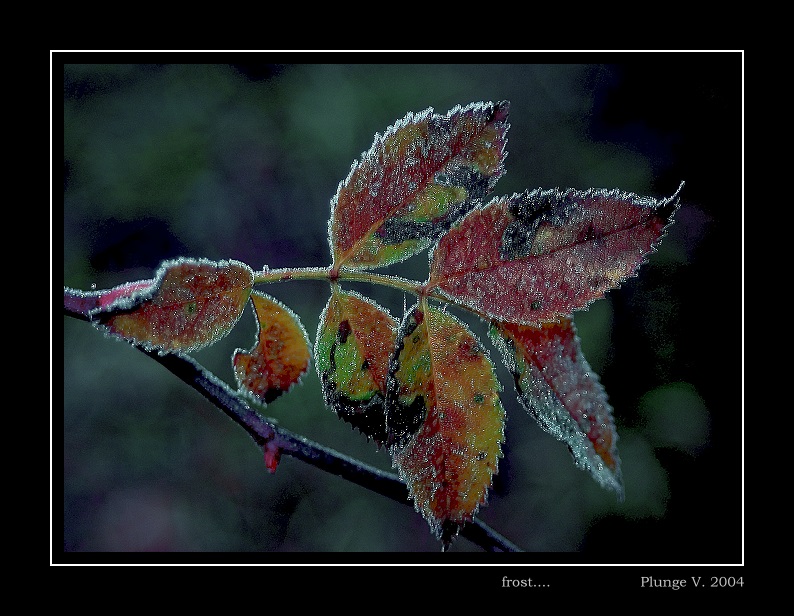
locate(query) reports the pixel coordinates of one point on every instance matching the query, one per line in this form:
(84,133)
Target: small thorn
(272,456)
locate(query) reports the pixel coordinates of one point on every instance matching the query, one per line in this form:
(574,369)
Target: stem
(329,274)
(298,273)
(270,436)
(264,433)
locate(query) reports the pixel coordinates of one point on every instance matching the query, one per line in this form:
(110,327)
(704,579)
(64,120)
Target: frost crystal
(557,387)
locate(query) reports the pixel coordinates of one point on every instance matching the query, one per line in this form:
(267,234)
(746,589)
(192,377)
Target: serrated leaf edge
(379,139)
(672,202)
(440,528)
(139,296)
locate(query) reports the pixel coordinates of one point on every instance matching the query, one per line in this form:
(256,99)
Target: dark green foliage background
(239,158)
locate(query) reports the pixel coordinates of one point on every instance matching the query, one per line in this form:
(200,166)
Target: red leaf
(540,255)
(280,355)
(190,304)
(557,387)
(444,418)
(416,180)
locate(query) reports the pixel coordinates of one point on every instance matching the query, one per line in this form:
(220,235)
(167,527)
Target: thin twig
(268,435)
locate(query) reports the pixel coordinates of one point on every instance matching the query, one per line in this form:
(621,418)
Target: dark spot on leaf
(550,206)
(439,128)
(476,184)
(599,282)
(403,421)
(511,344)
(531,209)
(589,234)
(398,230)
(332,357)
(535,305)
(367,416)
(517,241)
(343,332)
(469,349)
(395,231)
(410,325)
(271,394)
(365,365)
(479,398)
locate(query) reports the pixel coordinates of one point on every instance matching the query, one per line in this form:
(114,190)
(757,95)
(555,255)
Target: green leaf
(355,339)
(415,181)
(280,355)
(444,419)
(539,255)
(557,387)
(190,304)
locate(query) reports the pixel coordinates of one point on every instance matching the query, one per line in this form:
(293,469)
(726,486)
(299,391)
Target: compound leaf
(444,419)
(355,340)
(190,304)
(539,255)
(280,355)
(557,387)
(415,181)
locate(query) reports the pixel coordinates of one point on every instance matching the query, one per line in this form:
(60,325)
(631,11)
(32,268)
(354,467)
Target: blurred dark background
(240,160)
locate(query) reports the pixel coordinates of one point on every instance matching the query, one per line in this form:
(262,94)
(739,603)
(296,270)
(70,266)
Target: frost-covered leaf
(539,255)
(416,180)
(444,419)
(280,355)
(91,302)
(355,340)
(557,387)
(190,304)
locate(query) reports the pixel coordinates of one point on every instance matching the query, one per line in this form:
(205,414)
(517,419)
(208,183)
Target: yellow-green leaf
(355,340)
(416,180)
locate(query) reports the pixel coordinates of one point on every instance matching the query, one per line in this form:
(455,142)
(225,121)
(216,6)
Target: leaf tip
(447,533)
(668,207)
(501,111)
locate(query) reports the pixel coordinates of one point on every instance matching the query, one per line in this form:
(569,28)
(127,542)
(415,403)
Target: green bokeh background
(239,157)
